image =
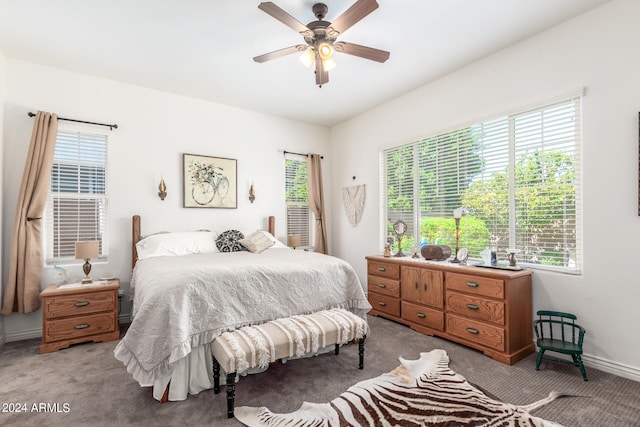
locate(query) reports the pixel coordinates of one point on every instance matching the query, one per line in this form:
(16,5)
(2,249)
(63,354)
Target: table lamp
(293,240)
(86,251)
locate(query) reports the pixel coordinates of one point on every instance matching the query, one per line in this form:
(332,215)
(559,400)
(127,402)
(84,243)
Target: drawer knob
(473,307)
(472,284)
(81,303)
(425,286)
(382,269)
(81,326)
(421,315)
(382,303)
(473,331)
(382,285)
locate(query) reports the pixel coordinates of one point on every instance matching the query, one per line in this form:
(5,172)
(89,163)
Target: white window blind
(518,177)
(299,215)
(77,202)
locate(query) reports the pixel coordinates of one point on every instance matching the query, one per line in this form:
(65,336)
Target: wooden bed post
(272,225)
(135,238)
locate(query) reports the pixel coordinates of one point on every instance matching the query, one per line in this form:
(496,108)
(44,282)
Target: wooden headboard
(136,235)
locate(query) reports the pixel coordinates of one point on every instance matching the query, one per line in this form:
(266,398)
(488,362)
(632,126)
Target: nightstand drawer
(385,304)
(488,336)
(74,305)
(424,316)
(81,326)
(383,285)
(476,307)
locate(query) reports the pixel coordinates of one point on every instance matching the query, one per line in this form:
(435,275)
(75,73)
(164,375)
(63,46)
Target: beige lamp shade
(87,250)
(293,240)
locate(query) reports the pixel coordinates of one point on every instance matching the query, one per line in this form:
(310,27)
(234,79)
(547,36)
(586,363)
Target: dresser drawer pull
(382,269)
(382,285)
(473,307)
(472,284)
(421,315)
(473,331)
(382,303)
(81,303)
(82,326)
(417,285)
(425,286)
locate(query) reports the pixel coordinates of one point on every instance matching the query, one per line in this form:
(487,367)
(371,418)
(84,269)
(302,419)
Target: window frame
(413,219)
(95,195)
(307,238)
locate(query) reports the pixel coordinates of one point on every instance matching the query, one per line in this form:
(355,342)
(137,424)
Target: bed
(186,291)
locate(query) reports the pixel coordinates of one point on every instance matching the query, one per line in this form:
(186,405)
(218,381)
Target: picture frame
(209,182)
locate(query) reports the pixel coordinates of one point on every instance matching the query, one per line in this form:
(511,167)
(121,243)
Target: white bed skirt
(194,373)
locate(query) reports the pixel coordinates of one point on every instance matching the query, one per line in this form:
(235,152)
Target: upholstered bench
(297,336)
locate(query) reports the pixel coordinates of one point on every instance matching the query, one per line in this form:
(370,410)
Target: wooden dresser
(484,308)
(75,315)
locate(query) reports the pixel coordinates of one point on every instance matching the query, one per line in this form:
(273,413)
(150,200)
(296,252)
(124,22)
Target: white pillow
(257,242)
(180,243)
(276,243)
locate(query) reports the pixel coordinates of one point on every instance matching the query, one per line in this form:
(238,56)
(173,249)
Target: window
(77,203)
(517,176)
(299,214)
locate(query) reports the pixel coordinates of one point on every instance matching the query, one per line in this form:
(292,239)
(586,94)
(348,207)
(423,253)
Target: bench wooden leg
(361,352)
(216,376)
(231,393)
(337,351)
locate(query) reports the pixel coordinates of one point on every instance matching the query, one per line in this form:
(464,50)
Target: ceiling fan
(320,37)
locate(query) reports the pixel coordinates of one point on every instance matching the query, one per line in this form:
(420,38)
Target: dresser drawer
(385,304)
(74,305)
(81,326)
(384,269)
(485,286)
(383,285)
(424,316)
(471,330)
(476,307)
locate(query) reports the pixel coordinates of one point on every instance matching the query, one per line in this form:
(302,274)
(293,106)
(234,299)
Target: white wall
(597,51)
(154,130)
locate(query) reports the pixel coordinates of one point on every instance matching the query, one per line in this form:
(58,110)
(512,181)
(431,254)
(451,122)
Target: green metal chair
(558,332)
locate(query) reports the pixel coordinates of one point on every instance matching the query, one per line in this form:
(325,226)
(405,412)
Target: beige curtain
(22,292)
(316,201)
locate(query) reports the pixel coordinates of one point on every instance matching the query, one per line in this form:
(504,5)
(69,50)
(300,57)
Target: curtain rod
(300,154)
(111,127)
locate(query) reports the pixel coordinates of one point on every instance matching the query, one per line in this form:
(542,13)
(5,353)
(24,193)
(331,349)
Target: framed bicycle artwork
(209,182)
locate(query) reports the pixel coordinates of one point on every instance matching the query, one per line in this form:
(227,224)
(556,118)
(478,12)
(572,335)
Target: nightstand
(71,315)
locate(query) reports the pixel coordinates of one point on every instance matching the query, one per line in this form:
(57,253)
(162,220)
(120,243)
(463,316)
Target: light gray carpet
(99,392)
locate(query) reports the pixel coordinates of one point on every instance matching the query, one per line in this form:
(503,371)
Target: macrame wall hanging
(353,200)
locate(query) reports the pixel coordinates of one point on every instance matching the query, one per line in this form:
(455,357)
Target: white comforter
(182,302)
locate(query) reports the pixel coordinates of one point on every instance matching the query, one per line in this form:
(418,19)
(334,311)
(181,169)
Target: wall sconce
(252,193)
(163,189)
(86,251)
(293,240)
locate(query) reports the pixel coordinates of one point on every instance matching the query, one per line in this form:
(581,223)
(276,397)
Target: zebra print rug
(417,393)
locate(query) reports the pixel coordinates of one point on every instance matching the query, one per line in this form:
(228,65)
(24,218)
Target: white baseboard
(615,368)
(24,335)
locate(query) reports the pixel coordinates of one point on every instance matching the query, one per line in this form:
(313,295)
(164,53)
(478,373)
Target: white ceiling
(204,48)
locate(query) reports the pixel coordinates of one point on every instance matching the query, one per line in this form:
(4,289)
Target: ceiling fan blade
(322,76)
(355,13)
(282,16)
(362,51)
(280,52)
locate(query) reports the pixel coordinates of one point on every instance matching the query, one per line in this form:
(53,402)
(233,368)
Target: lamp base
(87,280)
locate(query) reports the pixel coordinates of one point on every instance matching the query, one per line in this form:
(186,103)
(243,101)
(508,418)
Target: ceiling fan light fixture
(328,64)
(307,57)
(325,51)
